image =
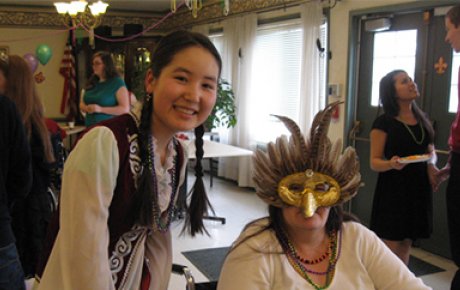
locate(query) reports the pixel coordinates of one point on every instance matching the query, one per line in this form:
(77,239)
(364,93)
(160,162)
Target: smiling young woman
(122,179)
(402,206)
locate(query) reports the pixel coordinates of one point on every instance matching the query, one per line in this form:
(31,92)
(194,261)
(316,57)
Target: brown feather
(298,153)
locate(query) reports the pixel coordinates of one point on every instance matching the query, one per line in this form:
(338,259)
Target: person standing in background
(15,182)
(105,95)
(452,22)
(402,210)
(31,216)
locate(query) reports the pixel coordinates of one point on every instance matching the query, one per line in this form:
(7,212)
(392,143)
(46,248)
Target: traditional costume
(99,244)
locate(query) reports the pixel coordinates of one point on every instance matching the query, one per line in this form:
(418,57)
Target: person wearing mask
(105,95)
(307,242)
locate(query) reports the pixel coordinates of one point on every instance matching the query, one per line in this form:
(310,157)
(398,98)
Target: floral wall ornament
(440,66)
(39,78)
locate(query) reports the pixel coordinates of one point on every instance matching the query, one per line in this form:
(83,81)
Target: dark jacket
(31,216)
(15,166)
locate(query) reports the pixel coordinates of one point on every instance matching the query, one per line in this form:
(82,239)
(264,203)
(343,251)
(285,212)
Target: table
(72,133)
(212,150)
(215,149)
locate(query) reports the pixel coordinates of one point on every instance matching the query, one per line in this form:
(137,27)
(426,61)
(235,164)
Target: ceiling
(114,5)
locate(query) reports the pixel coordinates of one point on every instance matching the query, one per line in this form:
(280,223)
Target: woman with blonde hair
(31,216)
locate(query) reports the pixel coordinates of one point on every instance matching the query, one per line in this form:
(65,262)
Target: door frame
(356,18)
(354,32)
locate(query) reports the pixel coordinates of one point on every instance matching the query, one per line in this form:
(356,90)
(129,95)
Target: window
(392,50)
(276,79)
(453,98)
(218,40)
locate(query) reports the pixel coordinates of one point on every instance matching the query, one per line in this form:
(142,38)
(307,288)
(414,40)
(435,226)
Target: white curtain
(239,38)
(310,101)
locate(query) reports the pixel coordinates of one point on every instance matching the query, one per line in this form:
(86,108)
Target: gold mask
(309,190)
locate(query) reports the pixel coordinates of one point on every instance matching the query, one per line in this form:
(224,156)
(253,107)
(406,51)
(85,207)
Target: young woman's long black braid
(144,198)
(199,202)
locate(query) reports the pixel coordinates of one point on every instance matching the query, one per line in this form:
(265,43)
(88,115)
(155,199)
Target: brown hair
(454,15)
(20,87)
(390,105)
(110,71)
(337,216)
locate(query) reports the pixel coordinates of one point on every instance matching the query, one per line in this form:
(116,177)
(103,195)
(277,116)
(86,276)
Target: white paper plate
(414,158)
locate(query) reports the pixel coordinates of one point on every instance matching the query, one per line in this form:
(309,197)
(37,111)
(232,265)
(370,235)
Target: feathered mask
(307,173)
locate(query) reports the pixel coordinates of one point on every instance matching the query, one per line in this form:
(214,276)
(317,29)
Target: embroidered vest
(121,223)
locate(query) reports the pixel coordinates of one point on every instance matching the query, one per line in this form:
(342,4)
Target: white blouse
(365,263)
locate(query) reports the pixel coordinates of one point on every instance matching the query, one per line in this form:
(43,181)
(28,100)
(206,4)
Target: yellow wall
(51,89)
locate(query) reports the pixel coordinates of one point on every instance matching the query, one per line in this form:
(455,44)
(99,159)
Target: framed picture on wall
(4,50)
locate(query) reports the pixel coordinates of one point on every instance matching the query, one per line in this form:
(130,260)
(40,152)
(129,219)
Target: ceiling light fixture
(79,13)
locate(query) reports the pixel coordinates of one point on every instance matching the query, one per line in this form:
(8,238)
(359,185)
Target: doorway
(412,40)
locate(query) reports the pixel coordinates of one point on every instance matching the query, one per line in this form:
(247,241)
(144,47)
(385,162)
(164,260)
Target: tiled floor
(240,206)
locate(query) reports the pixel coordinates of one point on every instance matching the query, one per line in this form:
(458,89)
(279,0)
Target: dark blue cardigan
(15,166)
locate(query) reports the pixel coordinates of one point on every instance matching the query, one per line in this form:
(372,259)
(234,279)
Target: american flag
(69,93)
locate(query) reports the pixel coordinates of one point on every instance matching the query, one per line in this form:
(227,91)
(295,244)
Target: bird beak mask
(307,172)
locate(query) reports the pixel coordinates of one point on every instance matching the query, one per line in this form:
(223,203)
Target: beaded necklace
(317,260)
(291,254)
(161,223)
(413,135)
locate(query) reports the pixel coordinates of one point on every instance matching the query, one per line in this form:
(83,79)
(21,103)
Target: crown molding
(35,17)
(213,12)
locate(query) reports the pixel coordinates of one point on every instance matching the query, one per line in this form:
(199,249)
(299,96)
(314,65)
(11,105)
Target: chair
(190,281)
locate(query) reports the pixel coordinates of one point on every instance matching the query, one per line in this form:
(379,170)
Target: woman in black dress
(403,206)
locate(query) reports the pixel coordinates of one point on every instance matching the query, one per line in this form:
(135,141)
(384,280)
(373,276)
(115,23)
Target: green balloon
(43,53)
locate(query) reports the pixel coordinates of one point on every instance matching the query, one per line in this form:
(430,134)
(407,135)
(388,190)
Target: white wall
(21,41)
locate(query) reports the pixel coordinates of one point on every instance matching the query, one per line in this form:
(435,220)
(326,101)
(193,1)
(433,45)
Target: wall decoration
(39,78)
(32,60)
(43,53)
(440,66)
(4,51)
